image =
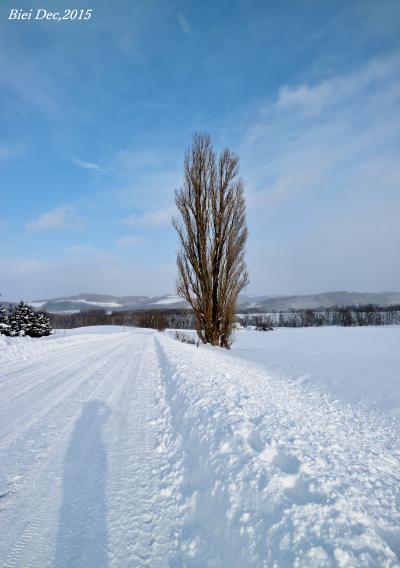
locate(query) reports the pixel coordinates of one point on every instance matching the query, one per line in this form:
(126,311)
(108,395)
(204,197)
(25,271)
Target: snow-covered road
(132,449)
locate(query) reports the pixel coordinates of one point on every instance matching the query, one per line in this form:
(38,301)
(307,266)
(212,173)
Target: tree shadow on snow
(82,533)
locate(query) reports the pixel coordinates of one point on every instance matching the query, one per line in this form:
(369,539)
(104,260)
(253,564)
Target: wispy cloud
(10,151)
(5,153)
(291,146)
(105,256)
(26,78)
(60,218)
(130,240)
(313,158)
(313,99)
(184,24)
(88,165)
(157,217)
(89,253)
(82,249)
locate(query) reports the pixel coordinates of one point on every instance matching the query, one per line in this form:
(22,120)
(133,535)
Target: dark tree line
(177,319)
(345,316)
(184,319)
(79,319)
(21,320)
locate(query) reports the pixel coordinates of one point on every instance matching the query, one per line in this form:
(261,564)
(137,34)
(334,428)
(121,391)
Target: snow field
(133,449)
(357,364)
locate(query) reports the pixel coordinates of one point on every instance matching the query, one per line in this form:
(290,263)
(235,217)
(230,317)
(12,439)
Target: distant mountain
(70,304)
(315,301)
(82,302)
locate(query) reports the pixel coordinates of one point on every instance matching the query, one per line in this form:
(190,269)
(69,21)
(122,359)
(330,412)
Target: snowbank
(276,474)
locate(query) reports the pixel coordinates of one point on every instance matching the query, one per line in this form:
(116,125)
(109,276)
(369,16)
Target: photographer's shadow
(82,533)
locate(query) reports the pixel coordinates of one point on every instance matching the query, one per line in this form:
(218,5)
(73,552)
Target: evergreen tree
(5,327)
(41,325)
(21,319)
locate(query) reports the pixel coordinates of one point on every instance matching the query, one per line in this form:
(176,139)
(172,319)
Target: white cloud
(322,174)
(184,24)
(130,240)
(157,217)
(60,218)
(289,150)
(88,165)
(313,99)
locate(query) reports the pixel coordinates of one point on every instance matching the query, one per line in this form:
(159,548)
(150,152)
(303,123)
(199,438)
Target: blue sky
(95,117)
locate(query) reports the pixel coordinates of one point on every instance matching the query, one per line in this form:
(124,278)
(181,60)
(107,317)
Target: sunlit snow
(134,449)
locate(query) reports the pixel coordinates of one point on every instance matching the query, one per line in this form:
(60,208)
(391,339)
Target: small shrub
(185,338)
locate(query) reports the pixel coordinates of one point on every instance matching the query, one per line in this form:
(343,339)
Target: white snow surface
(37,304)
(358,364)
(133,449)
(172,299)
(91,303)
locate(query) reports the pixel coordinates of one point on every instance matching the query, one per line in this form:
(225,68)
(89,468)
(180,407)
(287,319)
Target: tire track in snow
(59,385)
(142,526)
(20,374)
(39,487)
(100,466)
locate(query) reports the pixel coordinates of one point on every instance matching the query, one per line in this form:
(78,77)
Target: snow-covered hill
(83,302)
(133,449)
(172,301)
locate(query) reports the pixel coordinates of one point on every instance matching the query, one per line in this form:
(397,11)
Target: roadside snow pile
(276,474)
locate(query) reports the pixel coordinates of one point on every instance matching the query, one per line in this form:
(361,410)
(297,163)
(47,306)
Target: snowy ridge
(278,475)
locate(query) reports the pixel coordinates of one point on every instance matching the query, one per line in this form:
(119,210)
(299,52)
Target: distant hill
(323,300)
(81,302)
(70,304)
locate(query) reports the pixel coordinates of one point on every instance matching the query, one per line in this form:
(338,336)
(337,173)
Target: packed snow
(133,449)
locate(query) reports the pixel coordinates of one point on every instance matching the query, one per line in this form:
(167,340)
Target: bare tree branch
(212,233)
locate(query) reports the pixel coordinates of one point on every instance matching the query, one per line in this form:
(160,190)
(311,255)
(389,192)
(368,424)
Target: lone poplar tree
(212,233)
